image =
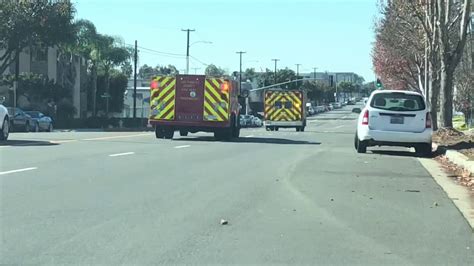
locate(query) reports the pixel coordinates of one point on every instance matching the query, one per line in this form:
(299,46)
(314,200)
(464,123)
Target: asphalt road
(288,197)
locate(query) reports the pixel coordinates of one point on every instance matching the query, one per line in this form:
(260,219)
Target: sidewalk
(461,197)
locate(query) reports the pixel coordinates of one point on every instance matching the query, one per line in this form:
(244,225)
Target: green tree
(346,87)
(318,91)
(117,86)
(111,55)
(249,74)
(87,45)
(37,23)
(214,71)
(148,72)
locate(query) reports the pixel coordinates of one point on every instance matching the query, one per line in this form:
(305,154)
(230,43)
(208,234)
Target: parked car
(257,122)
(246,120)
(337,105)
(394,118)
(20,121)
(330,107)
(4,121)
(365,100)
(351,102)
(41,121)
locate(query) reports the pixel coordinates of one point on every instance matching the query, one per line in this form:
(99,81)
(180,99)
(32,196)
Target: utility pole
(297,70)
(135,59)
(187,50)
(16,81)
(240,81)
(315,69)
(297,74)
(276,60)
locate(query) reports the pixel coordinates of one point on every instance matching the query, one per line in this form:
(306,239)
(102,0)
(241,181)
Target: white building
(143,99)
(47,62)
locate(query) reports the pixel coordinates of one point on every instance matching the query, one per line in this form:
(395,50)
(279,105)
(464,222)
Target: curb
(460,159)
(456,157)
(459,195)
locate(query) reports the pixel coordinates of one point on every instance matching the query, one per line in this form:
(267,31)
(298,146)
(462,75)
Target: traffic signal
(331,80)
(378,84)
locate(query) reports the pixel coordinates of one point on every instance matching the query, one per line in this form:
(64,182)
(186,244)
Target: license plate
(396,120)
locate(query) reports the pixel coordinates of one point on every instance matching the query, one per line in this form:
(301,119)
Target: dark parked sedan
(41,121)
(20,121)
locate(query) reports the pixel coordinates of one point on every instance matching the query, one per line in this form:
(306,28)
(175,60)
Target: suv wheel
(27,127)
(361,146)
(5,130)
(424,149)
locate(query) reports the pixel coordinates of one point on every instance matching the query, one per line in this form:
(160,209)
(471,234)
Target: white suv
(395,118)
(4,121)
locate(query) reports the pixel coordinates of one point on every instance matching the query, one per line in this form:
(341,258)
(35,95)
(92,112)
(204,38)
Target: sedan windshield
(398,102)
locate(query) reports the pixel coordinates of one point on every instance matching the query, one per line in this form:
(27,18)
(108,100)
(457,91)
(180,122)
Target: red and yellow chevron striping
(162,98)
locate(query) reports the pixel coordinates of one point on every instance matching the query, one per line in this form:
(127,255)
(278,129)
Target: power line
(161,55)
(156,51)
(198,60)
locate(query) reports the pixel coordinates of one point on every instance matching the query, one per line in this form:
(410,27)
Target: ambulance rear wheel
(183,133)
(168,133)
(236,132)
(159,133)
(276,128)
(302,129)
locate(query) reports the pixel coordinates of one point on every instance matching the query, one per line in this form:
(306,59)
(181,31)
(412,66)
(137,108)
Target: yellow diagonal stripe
(212,90)
(165,90)
(210,100)
(213,112)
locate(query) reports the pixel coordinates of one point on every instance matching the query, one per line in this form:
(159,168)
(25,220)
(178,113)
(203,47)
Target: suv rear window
(398,102)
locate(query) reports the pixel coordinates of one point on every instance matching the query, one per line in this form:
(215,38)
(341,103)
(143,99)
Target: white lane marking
(312,121)
(18,170)
(344,117)
(249,136)
(338,126)
(121,154)
(182,146)
(119,137)
(63,141)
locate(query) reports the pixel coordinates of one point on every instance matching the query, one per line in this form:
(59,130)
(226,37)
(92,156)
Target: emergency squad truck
(192,103)
(285,109)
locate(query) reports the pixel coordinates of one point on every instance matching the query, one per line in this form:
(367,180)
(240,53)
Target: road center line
(62,141)
(119,137)
(18,170)
(121,154)
(182,146)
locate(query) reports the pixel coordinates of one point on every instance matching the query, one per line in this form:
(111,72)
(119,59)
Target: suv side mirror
(356,110)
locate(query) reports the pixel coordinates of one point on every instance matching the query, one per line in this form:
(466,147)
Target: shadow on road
(26,143)
(253,140)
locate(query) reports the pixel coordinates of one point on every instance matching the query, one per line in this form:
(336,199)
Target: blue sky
(332,35)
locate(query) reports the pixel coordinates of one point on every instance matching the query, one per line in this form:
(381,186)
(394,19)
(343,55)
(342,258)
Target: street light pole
(187,50)
(196,69)
(276,60)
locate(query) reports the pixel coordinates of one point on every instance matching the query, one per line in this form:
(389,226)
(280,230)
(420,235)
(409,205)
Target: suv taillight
(365,118)
(428,120)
